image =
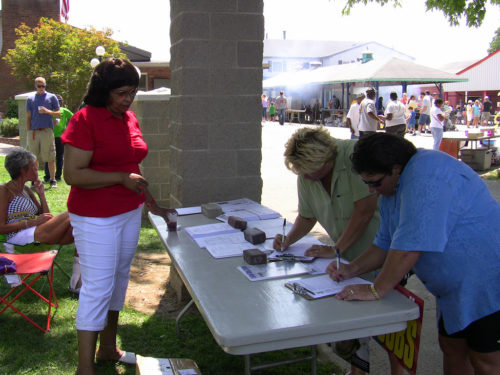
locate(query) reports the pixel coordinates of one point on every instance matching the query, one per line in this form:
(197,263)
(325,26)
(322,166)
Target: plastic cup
(39,108)
(172,221)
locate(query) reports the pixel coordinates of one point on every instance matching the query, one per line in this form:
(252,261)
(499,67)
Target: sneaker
(53,184)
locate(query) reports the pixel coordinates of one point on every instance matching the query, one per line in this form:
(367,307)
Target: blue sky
(410,29)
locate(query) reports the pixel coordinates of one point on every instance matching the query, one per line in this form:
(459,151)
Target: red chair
(30,268)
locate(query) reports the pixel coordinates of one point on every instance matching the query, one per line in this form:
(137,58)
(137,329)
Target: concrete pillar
(215,131)
(151,109)
(21,100)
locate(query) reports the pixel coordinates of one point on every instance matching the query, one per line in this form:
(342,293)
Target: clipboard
(297,289)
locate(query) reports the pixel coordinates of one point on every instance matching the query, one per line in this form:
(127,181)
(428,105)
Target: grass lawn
(26,350)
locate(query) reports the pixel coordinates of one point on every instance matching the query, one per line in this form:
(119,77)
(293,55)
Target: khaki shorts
(41,143)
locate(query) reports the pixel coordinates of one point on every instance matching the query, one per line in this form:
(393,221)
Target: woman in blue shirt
(439,219)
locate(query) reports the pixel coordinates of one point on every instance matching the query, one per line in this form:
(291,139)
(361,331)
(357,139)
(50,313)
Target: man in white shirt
(395,119)
(437,121)
(369,121)
(424,119)
(353,116)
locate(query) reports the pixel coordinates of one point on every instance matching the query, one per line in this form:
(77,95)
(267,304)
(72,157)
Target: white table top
(251,317)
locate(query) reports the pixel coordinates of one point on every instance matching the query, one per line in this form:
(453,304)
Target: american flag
(65,9)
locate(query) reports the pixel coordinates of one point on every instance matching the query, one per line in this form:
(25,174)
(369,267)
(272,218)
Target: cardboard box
(478,159)
(165,366)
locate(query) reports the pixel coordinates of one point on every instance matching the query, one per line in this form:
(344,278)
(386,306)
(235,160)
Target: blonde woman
(333,195)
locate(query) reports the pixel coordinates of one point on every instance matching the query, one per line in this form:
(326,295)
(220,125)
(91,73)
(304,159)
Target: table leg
(179,316)
(314,360)
(248,370)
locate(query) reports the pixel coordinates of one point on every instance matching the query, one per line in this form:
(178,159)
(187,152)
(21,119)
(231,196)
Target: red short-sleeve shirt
(117,146)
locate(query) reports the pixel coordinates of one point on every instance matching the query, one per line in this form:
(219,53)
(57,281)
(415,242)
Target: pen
(283,238)
(338,257)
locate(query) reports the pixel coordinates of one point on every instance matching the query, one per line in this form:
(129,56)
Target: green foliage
(9,127)
(12,109)
(61,54)
(495,43)
(472,10)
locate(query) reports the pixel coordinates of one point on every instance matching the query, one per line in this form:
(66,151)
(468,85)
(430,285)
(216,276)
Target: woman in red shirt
(103,149)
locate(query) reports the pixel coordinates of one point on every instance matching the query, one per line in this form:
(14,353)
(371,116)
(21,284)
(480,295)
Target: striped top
(20,208)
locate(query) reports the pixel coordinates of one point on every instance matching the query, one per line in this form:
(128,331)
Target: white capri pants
(106,247)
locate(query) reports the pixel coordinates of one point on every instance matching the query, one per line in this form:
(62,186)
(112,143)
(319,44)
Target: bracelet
(374,291)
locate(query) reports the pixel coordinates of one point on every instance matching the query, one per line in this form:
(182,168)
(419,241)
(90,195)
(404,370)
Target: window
(143,82)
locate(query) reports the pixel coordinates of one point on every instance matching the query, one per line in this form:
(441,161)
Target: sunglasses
(40,86)
(375,183)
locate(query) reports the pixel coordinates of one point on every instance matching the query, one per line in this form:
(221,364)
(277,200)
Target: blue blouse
(443,209)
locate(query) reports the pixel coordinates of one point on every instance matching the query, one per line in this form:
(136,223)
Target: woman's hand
(39,188)
(320,251)
(40,219)
(278,243)
(346,271)
(135,182)
(359,292)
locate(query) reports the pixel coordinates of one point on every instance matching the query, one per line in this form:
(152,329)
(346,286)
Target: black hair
(393,95)
(380,152)
(438,102)
(108,75)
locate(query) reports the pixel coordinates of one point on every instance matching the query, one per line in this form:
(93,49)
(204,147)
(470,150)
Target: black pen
(283,238)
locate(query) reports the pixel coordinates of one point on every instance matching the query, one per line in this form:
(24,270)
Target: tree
(61,54)
(495,43)
(454,10)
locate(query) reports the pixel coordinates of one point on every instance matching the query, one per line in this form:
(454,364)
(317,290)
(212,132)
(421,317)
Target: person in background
(60,125)
(265,105)
(469,113)
(424,120)
(430,224)
(40,108)
(369,120)
(476,113)
(405,99)
(380,106)
(353,115)
(330,194)
(438,119)
(272,111)
(395,120)
(281,107)
(412,120)
(486,114)
(103,149)
(24,218)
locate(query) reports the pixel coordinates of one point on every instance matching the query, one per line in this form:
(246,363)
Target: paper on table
(323,285)
(298,248)
(210,230)
(231,250)
(188,210)
(246,209)
(221,239)
(271,227)
(318,267)
(273,270)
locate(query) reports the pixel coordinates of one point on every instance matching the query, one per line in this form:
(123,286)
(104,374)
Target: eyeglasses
(122,93)
(375,183)
(40,86)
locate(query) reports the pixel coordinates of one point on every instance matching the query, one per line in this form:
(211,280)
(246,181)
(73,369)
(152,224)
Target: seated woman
(24,218)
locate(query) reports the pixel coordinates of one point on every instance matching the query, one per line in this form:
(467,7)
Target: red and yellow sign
(404,345)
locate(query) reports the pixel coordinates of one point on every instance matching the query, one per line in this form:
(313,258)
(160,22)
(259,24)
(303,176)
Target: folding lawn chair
(31,248)
(30,268)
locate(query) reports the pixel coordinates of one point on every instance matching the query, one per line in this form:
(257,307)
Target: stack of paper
(246,209)
(322,286)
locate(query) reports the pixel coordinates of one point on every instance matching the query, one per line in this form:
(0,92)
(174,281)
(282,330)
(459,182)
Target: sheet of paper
(188,210)
(222,239)
(273,270)
(246,209)
(210,230)
(298,248)
(231,250)
(318,267)
(271,227)
(323,285)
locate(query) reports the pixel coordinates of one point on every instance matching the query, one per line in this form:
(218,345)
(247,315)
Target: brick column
(215,110)
(152,112)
